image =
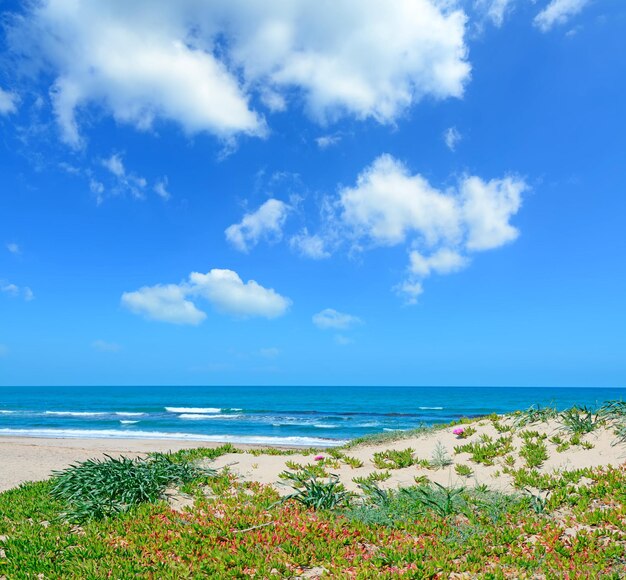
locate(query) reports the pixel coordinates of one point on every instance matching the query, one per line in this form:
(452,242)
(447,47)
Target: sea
(269,415)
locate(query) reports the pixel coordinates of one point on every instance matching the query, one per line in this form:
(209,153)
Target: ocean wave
(75,413)
(193,410)
(121,434)
(431,408)
(128,414)
(371,424)
(3,412)
(127,422)
(324,426)
(201,416)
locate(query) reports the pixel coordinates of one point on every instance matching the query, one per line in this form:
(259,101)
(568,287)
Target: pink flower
(318,457)
(458,431)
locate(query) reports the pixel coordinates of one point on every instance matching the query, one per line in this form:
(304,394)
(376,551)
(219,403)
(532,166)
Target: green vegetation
(440,457)
(566,524)
(97,489)
(485,450)
(394,459)
(580,420)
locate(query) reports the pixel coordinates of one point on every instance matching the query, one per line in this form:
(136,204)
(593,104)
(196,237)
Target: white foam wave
(193,410)
(201,416)
(128,414)
(75,413)
(431,408)
(127,422)
(3,412)
(371,424)
(324,426)
(120,434)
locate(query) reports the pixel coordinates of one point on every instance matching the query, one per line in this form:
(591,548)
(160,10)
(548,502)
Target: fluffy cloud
(201,65)
(388,203)
(224,289)
(125,181)
(451,138)
(443,261)
(8,102)
(266,222)
(14,248)
(389,206)
(165,303)
(558,12)
(331,319)
(326,141)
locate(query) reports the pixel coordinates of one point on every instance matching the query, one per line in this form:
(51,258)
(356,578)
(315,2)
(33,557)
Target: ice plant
(318,457)
(458,431)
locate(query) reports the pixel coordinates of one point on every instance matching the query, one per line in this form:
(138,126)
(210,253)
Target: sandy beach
(31,459)
(34,459)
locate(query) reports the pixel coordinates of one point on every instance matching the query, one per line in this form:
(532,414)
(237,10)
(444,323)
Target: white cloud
(487,208)
(8,102)
(311,246)
(331,319)
(558,12)
(228,293)
(200,65)
(452,137)
(266,222)
(410,290)
(15,291)
(10,289)
(28,294)
(494,10)
(443,261)
(388,203)
(160,188)
(125,181)
(14,248)
(165,303)
(389,206)
(104,346)
(326,141)
(224,289)
(343,340)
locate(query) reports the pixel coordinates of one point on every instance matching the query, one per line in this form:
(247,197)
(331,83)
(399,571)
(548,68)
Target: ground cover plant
(570,523)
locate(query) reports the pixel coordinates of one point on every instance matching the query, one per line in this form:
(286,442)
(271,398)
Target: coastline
(35,458)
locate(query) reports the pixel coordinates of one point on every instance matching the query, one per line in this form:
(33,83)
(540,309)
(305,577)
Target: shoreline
(35,458)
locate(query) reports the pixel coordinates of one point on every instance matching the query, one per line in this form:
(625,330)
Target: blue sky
(426,192)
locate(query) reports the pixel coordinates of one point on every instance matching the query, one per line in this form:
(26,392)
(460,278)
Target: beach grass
(567,523)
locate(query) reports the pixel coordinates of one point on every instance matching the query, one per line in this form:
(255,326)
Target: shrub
(392,459)
(96,489)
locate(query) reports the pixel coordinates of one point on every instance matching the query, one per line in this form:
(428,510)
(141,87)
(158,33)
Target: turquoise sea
(264,415)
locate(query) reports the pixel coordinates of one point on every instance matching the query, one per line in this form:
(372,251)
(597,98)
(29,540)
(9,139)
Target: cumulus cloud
(201,65)
(8,102)
(14,248)
(558,12)
(389,206)
(104,346)
(165,303)
(330,318)
(451,138)
(266,222)
(224,289)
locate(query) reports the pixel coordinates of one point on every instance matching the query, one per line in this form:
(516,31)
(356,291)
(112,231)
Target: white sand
(29,459)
